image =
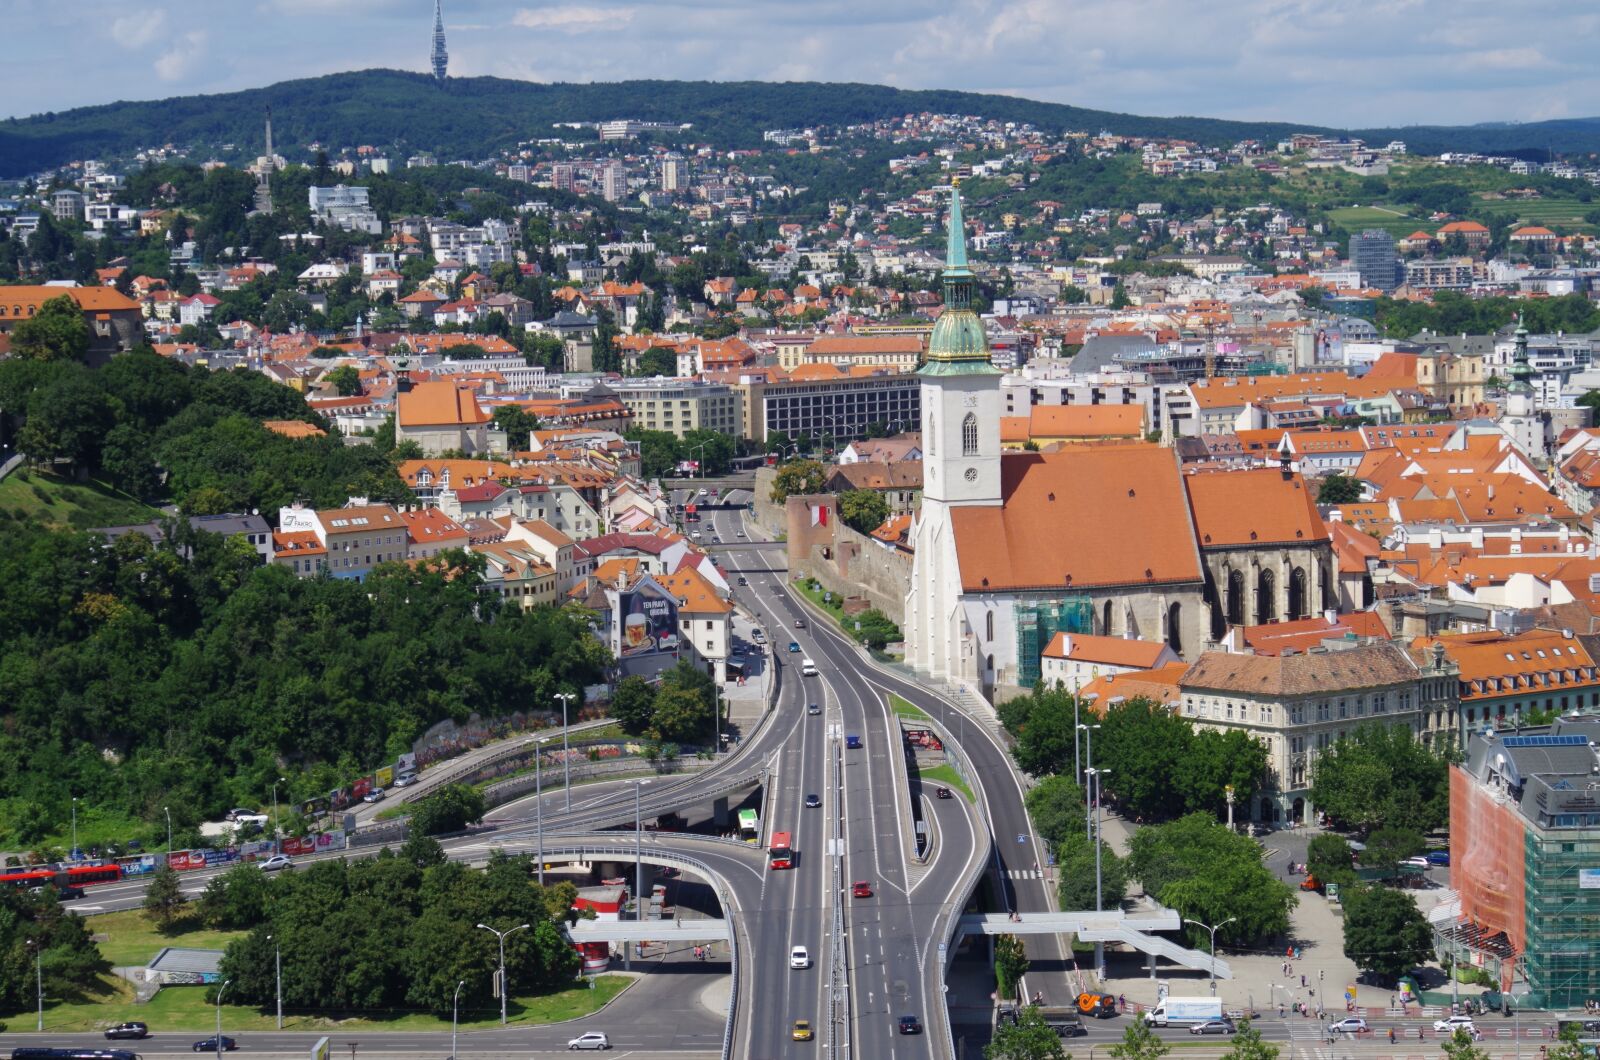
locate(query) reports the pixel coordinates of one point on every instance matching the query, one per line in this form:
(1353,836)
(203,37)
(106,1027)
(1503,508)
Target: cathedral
(1105,539)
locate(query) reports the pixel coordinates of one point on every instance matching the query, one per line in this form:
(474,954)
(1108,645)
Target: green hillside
(38,497)
(470,117)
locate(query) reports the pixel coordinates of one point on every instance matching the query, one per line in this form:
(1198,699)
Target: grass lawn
(184,1008)
(905,709)
(948,777)
(1393,219)
(835,608)
(1564,213)
(43,498)
(130,939)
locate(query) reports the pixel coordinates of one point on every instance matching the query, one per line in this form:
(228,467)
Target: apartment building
(678,406)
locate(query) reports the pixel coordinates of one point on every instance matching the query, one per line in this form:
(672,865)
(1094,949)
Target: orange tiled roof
(1051,530)
(440,404)
(1110,651)
(1493,664)
(696,595)
(294,428)
(1255,506)
(1274,638)
(1159,686)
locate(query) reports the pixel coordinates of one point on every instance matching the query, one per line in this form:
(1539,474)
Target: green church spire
(958,345)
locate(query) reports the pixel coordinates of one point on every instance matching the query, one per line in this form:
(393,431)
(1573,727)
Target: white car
(808,669)
(592,1040)
(1417,863)
(275,862)
(375,795)
(405,780)
(799,957)
(1451,1024)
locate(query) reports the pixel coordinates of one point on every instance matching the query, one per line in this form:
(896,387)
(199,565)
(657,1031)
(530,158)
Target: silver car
(591,1040)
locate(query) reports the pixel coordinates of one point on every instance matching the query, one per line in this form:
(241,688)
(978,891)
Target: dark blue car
(1438,857)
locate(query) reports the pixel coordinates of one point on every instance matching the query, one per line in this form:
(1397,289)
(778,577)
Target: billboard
(384,776)
(1588,879)
(647,622)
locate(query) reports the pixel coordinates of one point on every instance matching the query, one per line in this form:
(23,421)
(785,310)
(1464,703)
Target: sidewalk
(1316,926)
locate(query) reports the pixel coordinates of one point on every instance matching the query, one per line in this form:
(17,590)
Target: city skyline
(1325,62)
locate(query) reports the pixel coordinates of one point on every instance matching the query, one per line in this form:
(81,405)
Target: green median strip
(948,777)
(906,709)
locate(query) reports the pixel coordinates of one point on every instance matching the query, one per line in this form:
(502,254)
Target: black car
(910,1025)
(128,1030)
(209,1045)
(813,801)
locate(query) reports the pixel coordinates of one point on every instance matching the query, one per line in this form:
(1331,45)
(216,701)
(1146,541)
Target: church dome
(958,335)
(958,345)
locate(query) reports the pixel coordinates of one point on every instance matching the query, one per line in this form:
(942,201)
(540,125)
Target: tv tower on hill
(441,58)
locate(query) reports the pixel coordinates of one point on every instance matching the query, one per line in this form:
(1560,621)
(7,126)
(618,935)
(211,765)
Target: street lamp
(220,991)
(566,757)
(1099,788)
(638,853)
(700,465)
(1213,931)
(277,968)
(1088,801)
(276,831)
(501,935)
(74,855)
(455,1009)
(168,811)
(38,976)
(538,803)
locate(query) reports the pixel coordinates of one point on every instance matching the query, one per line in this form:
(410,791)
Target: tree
(863,510)
(1139,1042)
(1030,1038)
(797,477)
(633,705)
(69,420)
(607,358)
(1210,873)
(1119,297)
(57,332)
(1247,1044)
(345,379)
(1330,859)
(1339,489)
(450,809)
(659,452)
(1381,775)
(1460,1046)
(1075,868)
(1388,847)
(713,449)
(1384,932)
(1144,746)
(1072,294)
(518,423)
(1056,805)
(164,900)
(683,704)
(237,899)
(658,360)
(1010,964)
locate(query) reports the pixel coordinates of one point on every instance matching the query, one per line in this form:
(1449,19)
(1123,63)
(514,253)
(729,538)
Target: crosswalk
(1025,874)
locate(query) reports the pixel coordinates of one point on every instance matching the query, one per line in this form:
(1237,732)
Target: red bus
(780,855)
(75,876)
(690,514)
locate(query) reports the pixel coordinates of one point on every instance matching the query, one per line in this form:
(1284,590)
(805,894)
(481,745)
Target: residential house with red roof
(440,417)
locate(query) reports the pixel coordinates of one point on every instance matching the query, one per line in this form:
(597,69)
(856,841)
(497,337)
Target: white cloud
(138,28)
(574,19)
(182,57)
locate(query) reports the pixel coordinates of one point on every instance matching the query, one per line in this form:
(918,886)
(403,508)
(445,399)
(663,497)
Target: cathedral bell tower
(960,391)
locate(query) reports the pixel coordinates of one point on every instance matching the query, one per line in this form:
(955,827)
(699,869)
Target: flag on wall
(819,515)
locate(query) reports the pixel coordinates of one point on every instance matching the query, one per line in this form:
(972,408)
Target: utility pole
(1088,799)
(38,978)
(504,986)
(75,853)
(1213,931)
(455,1009)
(566,756)
(538,804)
(276,831)
(638,854)
(168,811)
(222,990)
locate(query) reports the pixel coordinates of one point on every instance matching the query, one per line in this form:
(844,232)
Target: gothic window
(969,435)
(989,623)
(933,434)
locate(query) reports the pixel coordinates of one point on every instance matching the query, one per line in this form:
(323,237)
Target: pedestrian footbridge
(695,930)
(1130,929)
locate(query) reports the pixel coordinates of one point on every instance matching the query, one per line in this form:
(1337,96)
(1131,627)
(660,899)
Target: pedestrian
(1122,1002)
(1302,979)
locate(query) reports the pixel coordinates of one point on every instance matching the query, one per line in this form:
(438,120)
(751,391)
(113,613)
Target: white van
(808,668)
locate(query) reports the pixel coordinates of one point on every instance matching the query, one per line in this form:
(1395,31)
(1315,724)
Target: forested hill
(468,117)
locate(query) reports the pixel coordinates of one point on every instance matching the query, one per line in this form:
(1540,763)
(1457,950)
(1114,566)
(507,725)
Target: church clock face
(972,474)
(969,401)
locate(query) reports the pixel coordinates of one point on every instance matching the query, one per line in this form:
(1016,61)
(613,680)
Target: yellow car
(802,1031)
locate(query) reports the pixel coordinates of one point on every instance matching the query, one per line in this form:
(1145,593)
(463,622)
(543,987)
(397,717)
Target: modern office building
(681,405)
(842,408)
(1525,862)
(1373,254)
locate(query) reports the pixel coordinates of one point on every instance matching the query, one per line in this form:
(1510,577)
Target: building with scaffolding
(1525,862)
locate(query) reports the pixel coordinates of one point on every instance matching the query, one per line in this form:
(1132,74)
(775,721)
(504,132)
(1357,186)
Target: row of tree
(680,708)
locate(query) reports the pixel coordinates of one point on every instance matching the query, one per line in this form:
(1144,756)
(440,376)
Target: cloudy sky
(1329,62)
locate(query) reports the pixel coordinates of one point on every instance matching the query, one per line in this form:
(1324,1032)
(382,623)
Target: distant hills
(470,117)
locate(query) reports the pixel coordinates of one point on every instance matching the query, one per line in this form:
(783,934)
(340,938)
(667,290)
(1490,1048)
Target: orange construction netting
(1487,860)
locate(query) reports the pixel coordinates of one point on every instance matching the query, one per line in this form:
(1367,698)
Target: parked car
(799,957)
(238,812)
(275,862)
(1212,1026)
(1417,863)
(209,1045)
(813,801)
(910,1025)
(128,1030)
(591,1040)
(375,795)
(1348,1025)
(861,889)
(1438,857)
(405,780)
